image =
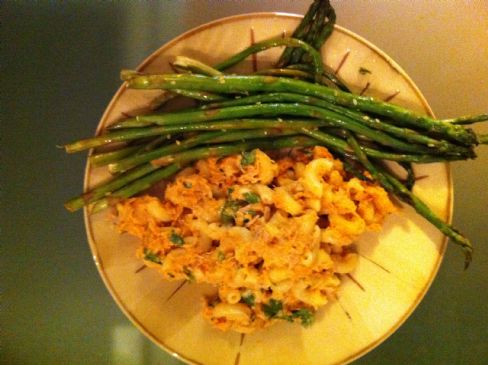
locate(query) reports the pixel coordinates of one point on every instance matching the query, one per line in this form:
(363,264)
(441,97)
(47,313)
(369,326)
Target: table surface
(60,65)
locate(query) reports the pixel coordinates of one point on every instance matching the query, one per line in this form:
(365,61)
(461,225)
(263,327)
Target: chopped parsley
(231,206)
(251,197)
(272,308)
(364,71)
(305,315)
(176,239)
(248,299)
(248,158)
(151,256)
(229,210)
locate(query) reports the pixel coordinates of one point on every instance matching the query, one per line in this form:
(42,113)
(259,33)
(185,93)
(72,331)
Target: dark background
(60,63)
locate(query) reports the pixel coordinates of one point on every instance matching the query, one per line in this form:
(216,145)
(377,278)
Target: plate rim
(101,124)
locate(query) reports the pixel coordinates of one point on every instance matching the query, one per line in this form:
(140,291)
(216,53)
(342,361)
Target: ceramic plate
(396,267)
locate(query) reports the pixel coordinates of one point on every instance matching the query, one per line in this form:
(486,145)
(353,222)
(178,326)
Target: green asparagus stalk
(141,146)
(286,72)
(135,133)
(313,36)
(231,149)
(342,148)
(209,137)
(300,32)
(104,158)
(327,27)
(198,95)
(409,181)
(470,119)
(270,43)
(128,163)
(108,187)
(136,186)
(238,84)
(195,66)
(329,79)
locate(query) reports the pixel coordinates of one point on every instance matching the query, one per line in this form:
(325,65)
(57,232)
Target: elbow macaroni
(272,256)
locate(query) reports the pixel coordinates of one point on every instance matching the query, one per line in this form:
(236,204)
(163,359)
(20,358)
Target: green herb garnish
(272,308)
(229,210)
(251,197)
(176,239)
(248,158)
(151,256)
(305,315)
(248,299)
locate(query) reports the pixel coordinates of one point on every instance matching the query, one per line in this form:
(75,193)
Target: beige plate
(396,267)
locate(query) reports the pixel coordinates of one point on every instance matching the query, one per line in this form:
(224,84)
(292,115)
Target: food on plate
(271,176)
(273,233)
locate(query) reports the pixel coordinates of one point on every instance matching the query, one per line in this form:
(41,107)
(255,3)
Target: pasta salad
(273,231)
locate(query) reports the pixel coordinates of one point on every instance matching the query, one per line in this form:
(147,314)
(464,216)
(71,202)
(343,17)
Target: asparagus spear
(104,158)
(231,149)
(106,188)
(140,146)
(342,148)
(327,26)
(195,66)
(314,28)
(135,186)
(198,95)
(270,43)
(238,84)
(300,32)
(328,77)
(286,72)
(210,137)
(135,133)
(470,119)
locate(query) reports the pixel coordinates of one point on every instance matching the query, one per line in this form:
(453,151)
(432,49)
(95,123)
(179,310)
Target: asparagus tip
(127,75)
(72,206)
